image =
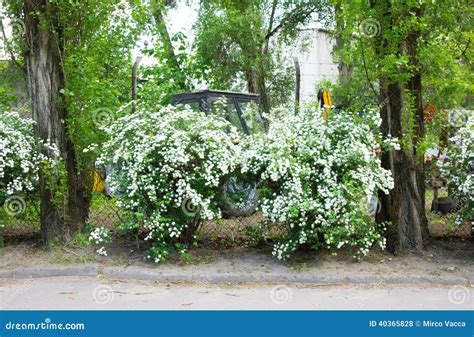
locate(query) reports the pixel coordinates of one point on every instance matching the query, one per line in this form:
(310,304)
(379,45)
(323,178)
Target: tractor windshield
(241,110)
(251,115)
(225,107)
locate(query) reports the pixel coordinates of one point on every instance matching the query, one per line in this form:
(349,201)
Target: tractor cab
(242,110)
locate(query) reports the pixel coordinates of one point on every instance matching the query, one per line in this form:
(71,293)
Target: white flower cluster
(458,168)
(168,166)
(101,251)
(391,143)
(21,155)
(315,173)
(100,236)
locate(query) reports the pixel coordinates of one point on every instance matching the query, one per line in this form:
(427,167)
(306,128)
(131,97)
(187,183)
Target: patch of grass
(121,260)
(64,260)
(81,240)
(299,266)
(52,244)
(85,259)
(67,260)
(191,259)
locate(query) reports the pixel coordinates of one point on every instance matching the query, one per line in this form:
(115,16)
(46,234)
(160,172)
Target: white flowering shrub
(100,236)
(458,168)
(168,167)
(20,155)
(313,176)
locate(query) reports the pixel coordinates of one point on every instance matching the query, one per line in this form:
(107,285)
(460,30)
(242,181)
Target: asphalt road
(105,294)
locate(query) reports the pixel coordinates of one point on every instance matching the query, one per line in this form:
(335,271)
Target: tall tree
(45,79)
(247,39)
(404,206)
(57,34)
(388,42)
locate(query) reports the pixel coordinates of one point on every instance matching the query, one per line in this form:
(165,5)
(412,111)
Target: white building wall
(3,50)
(3,55)
(316,64)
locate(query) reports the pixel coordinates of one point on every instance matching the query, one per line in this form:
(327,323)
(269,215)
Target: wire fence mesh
(20,220)
(444,225)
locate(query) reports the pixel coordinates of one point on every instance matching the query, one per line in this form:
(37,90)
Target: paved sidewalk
(98,293)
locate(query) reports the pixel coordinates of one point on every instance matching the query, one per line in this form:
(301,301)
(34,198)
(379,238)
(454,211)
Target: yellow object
(327,98)
(327,104)
(99,183)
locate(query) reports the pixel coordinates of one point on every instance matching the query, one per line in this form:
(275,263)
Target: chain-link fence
(20,216)
(444,224)
(19,219)
(104,212)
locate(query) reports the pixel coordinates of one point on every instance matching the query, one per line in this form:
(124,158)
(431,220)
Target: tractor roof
(184,96)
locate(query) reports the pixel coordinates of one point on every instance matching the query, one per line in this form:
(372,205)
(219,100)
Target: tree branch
(302,12)
(270,25)
(10,51)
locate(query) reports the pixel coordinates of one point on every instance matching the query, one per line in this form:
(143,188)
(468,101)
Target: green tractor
(237,198)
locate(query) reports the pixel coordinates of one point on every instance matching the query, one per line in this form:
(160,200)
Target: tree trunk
(404,207)
(60,216)
(415,88)
(344,70)
(256,84)
(262,91)
(78,191)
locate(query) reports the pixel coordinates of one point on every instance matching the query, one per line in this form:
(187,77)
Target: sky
(182,18)
(179,19)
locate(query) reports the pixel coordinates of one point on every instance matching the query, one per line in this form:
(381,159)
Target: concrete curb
(134,273)
(148,274)
(50,271)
